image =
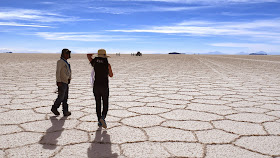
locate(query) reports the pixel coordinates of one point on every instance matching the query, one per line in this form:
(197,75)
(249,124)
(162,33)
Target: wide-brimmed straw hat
(102,53)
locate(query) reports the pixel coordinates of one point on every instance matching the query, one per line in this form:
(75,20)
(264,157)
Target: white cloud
(19,24)
(4,50)
(130,9)
(250,47)
(48,3)
(175,9)
(181,5)
(81,36)
(28,50)
(35,16)
(261,29)
(209,1)
(238,45)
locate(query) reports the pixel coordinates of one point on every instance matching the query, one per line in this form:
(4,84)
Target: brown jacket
(63,72)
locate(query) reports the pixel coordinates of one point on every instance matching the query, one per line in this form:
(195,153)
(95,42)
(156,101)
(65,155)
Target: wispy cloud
(47,3)
(238,45)
(144,8)
(267,29)
(35,16)
(19,24)
(208,1)
(234,14)
(29,50)
(82,36)
(133,6)
(249,46)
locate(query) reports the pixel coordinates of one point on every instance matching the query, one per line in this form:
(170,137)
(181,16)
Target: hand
(69,80)
(59,84)
(89,57)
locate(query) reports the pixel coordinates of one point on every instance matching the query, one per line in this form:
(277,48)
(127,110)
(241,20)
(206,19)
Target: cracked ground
(159,106)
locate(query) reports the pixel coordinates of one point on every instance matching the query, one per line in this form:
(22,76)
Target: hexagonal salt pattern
(263,144)
(222,151)
(215,136)
(34,150)
(181,149)
(144,149)
(159,106)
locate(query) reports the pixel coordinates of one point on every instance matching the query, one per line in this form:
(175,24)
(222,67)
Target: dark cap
(65,50)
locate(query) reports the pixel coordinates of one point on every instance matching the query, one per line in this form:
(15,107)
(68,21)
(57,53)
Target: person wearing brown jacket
(63,78)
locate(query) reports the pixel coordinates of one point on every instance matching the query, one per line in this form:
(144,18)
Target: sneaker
(68,113)
(103,122)
(55,111)
(99,124)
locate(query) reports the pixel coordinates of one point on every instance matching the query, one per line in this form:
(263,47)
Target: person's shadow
(49,140)
(101,145)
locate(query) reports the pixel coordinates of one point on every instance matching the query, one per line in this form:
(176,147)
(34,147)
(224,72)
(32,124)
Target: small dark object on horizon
(259,53)
(174,53)
(138,54)
(8,52)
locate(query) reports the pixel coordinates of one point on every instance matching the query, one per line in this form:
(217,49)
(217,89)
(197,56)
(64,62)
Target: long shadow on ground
(49,140)
(101,145)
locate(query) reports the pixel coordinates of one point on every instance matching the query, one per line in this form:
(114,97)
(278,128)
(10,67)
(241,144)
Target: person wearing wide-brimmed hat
(102,69)
(63,78)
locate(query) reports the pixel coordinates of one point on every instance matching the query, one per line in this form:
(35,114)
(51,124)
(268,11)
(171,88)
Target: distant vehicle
(138,54)
(8,52)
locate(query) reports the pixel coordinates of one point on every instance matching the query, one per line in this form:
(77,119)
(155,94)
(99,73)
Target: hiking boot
(103,122)
(99,124)
(55,111)
(67,113)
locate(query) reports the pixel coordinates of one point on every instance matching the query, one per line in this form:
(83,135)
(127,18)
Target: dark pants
(101,93)
(62,97)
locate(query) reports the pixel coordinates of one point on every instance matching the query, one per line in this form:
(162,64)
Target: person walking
(102,69)
(63,78)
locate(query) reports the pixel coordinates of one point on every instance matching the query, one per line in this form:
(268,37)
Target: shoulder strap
(67,63)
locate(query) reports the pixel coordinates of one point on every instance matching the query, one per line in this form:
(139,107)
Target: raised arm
(110,71)
(89,56)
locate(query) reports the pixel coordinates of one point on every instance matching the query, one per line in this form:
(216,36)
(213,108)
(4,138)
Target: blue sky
(128,26)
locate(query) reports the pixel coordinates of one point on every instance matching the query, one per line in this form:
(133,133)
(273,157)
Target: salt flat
(159,106)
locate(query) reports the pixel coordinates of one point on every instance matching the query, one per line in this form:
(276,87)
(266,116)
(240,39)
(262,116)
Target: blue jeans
(62,97)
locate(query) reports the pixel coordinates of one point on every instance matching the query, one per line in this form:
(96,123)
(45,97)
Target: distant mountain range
(241,53)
